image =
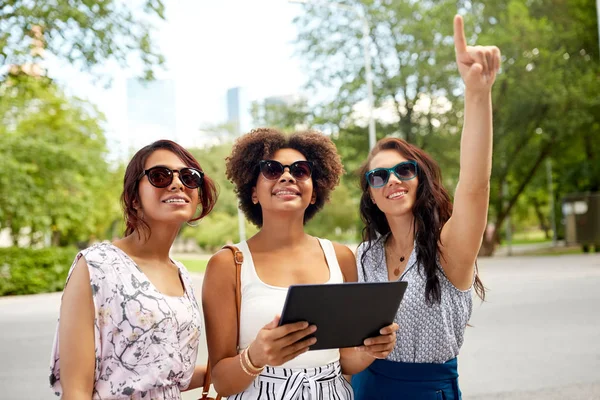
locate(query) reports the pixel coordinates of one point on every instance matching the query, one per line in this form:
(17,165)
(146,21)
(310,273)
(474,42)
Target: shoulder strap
(238,258)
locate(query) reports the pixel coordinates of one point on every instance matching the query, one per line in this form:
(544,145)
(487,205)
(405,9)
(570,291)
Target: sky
(210,46)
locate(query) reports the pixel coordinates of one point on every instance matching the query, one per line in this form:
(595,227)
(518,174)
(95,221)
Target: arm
(76,336)
(356,359)
(220,316)
(461,236)
(274,345)
(197,378)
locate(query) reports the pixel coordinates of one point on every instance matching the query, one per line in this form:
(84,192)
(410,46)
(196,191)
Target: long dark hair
(431,211)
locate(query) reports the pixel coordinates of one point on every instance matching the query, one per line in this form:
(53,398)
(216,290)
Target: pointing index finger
(460,43)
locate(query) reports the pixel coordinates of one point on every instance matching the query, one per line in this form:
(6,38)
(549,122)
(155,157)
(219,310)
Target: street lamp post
(367,57)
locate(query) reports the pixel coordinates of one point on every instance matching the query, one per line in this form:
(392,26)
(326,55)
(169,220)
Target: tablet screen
(346,313)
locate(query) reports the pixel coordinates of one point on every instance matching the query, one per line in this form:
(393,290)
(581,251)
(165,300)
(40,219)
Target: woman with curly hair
(281,182)
(414,233)
(129,321)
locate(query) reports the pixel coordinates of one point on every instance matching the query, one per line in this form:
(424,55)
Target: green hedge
(30,271)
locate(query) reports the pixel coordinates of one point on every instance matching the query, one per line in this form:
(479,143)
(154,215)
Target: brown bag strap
(238,258)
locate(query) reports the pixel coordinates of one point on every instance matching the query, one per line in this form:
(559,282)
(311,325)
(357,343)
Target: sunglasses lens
(191,178)
(406,170)
(301,170)
(378,178)
(271,170)
(160,177)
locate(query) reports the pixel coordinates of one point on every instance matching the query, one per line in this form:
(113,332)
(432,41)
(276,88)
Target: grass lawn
(556,251)
(528,237)
(195,264)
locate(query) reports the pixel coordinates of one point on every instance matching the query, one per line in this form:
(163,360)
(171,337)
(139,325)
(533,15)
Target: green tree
(545,99)
(54,180)
(411,58)
(84,33)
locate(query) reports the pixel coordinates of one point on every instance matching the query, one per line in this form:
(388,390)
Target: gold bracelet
(251,366)
(244,367)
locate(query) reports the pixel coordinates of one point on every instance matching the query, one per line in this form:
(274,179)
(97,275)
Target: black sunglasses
(161,177)
(404,171)
(272,170)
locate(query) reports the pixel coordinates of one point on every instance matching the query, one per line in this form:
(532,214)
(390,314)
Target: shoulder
(360,249)
(87,276)
(220,278)
(346,260)
(101,254)
(343,252)
(220,265)
(371,247)
(98,258)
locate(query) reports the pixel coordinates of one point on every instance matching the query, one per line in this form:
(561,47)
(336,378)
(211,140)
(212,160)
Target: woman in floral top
(129,322)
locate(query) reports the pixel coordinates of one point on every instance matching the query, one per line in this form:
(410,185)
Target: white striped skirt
(320,383)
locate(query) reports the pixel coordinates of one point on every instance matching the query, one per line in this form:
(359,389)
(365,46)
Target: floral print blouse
(146,343)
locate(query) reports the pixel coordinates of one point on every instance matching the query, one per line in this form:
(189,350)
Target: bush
(30,271)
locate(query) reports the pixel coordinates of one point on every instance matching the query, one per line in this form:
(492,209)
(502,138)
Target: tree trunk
(540,216)
(55,241)
(488,245)
(594,179)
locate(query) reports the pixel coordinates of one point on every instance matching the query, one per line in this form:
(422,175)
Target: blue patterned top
(427,333)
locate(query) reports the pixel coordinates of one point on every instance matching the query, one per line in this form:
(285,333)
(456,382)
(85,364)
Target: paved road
(537,336)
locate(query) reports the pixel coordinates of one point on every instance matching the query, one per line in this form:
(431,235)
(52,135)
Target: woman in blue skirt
(413,232)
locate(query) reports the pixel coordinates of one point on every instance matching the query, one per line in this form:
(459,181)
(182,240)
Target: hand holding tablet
(344,314)
(277,344)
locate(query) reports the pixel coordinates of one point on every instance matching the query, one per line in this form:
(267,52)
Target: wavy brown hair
(259,144)
(207,193)
(432,209)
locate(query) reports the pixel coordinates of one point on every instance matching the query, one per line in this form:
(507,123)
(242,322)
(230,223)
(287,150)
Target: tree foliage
(54,182)
(545,99)
(85,33)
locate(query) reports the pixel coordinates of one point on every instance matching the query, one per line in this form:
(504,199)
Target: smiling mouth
(286,193)
(175,201)
(397,195)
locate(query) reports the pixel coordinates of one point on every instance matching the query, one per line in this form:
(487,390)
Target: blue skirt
(412,381)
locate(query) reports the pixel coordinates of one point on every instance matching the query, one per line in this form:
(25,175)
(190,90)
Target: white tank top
(261,302)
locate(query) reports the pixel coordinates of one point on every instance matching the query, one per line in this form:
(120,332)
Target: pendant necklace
(397,269)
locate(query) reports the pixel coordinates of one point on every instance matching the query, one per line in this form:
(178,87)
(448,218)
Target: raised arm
(461,236)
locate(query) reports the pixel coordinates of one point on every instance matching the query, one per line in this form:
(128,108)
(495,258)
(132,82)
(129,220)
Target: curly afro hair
(259,144)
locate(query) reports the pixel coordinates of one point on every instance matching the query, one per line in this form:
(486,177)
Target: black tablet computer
(346,313)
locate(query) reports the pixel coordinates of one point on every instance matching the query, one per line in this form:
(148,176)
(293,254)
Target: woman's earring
(254,201)
(192,225)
